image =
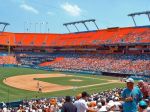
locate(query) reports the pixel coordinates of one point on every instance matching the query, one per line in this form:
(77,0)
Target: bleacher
(129,64)
(107,36)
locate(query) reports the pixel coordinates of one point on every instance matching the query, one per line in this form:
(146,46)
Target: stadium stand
(109,36)
(129,64)
(8,60)
(109,100)
(113,50)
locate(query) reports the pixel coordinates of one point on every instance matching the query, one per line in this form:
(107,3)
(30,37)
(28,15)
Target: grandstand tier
(132,35)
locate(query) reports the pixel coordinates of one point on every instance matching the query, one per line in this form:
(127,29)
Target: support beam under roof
(81,22)
(4,24)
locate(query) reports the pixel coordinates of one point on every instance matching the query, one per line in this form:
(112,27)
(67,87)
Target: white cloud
(29,8)
(71,9)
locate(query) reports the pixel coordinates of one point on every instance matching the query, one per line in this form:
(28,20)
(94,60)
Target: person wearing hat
(142,106)
(131,96)
(68,105)
(81,104)
(110,106)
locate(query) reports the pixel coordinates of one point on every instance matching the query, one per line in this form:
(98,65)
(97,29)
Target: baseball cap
(85,94)
(110,104)
(143,104)
(99,104)
(130,80)
(140,81)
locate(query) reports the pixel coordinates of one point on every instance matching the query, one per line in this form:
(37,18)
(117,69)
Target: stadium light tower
(25,26)
(46,27)
(30,26)
(139,13)
(48,30)
(4,24)
(35,26)
(41,23)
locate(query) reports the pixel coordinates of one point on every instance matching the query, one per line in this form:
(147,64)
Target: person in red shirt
(145,88)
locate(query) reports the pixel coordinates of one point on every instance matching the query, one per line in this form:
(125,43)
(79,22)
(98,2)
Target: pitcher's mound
(76,80)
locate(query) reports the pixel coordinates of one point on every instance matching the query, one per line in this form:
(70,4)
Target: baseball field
(24,83)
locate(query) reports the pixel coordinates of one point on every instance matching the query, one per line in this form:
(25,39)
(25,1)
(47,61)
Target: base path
(29,82)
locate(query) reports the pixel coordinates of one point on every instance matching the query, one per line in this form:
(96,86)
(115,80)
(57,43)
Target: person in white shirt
(4,109)
(81,104)
(103,108)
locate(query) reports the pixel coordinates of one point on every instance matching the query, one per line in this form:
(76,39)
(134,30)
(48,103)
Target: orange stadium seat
(18,38)
(120,35)
(52,39)
(106,36)
(97,37)
(134,35)
(24,39)
(39,39)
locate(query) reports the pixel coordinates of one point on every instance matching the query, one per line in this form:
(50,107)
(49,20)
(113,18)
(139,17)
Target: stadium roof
(139,13)
(5,24)
(82,22)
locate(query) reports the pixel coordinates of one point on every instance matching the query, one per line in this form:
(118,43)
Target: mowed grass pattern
(8,93)
(67,80)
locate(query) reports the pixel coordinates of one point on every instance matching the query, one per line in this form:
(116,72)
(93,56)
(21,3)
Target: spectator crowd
(130,99)
(129,64)
(8,60)
(113,63)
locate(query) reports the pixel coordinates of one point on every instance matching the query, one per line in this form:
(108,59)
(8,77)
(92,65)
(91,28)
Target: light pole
(41,26)
(30,26)
(35,27)
(46,26)
(48,30)
(25,27)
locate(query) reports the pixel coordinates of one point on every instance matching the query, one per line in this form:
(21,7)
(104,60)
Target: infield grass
(67,80)
(8,93)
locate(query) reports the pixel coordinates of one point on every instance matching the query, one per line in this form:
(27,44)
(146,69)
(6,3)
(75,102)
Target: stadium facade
(133,42)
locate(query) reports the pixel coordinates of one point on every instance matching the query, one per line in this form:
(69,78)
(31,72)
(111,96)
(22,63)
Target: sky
(49,15)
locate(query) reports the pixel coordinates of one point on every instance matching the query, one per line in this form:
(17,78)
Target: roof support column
(76,27)
(85,26)
(96,25)
(148,16)
(67,28)
(133,20)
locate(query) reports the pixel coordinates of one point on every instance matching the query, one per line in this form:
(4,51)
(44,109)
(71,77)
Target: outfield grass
(8,93)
